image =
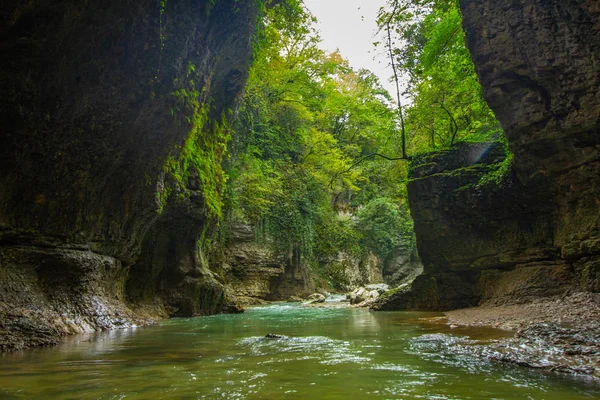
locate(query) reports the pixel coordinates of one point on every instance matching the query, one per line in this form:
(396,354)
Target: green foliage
(446,99)
(191,68)
(305,121)
(498,174)
(383,225)
(202,152)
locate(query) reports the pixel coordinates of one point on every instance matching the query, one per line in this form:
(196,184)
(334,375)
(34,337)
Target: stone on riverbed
(315,298)
(275,336)
(542,346)
(364,296)
(356,296)
(381,288)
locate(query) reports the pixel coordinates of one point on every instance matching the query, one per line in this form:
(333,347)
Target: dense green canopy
(316,160)
(429,53)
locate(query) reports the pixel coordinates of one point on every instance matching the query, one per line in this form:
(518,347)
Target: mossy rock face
(459,156)
(91,117)
(537,63)
(542,82)
(458,221)
(465,228)
(91,110)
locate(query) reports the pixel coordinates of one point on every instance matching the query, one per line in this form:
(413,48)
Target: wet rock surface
(51,293)
(551,347)
(542,346)
(274,336)
(315,298)
(560,334)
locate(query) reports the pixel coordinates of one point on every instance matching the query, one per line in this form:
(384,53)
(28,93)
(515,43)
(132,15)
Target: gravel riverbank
(560,334)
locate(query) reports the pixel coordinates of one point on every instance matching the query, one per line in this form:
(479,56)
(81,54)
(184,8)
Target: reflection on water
(338,353)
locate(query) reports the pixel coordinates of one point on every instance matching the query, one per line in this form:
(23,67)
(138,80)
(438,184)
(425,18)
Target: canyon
(107,221)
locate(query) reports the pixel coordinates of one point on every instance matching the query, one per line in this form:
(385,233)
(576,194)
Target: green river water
(339,353)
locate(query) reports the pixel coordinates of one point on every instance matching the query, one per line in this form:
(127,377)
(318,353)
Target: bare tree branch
(388,25)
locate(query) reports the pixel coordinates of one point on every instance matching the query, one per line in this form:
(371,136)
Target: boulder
(365,296)
(357,295)
(380,288)
(315,298)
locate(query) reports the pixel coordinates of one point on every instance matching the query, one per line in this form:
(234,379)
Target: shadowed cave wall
(98,98)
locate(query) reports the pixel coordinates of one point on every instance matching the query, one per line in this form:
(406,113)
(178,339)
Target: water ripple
(326,350)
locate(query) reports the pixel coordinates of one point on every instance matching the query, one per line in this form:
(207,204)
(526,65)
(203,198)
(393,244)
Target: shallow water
(339,353)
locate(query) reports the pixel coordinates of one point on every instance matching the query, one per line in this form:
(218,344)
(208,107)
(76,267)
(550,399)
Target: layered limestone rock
(348,272)
(536,234)
(97,97)
(256,273)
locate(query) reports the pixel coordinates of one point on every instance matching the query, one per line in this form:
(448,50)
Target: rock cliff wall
(402,265)
(537,233)
(537,61)
(98,98)
(349,272)
(346,271)
(255,273)
(471,233)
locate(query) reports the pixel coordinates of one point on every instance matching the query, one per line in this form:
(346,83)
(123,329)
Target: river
(328,353)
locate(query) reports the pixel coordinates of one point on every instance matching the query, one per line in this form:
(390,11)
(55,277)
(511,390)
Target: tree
(447,102)
(306,119)
(383,226)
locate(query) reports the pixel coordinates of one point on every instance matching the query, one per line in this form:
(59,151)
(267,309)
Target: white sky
(350,26)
